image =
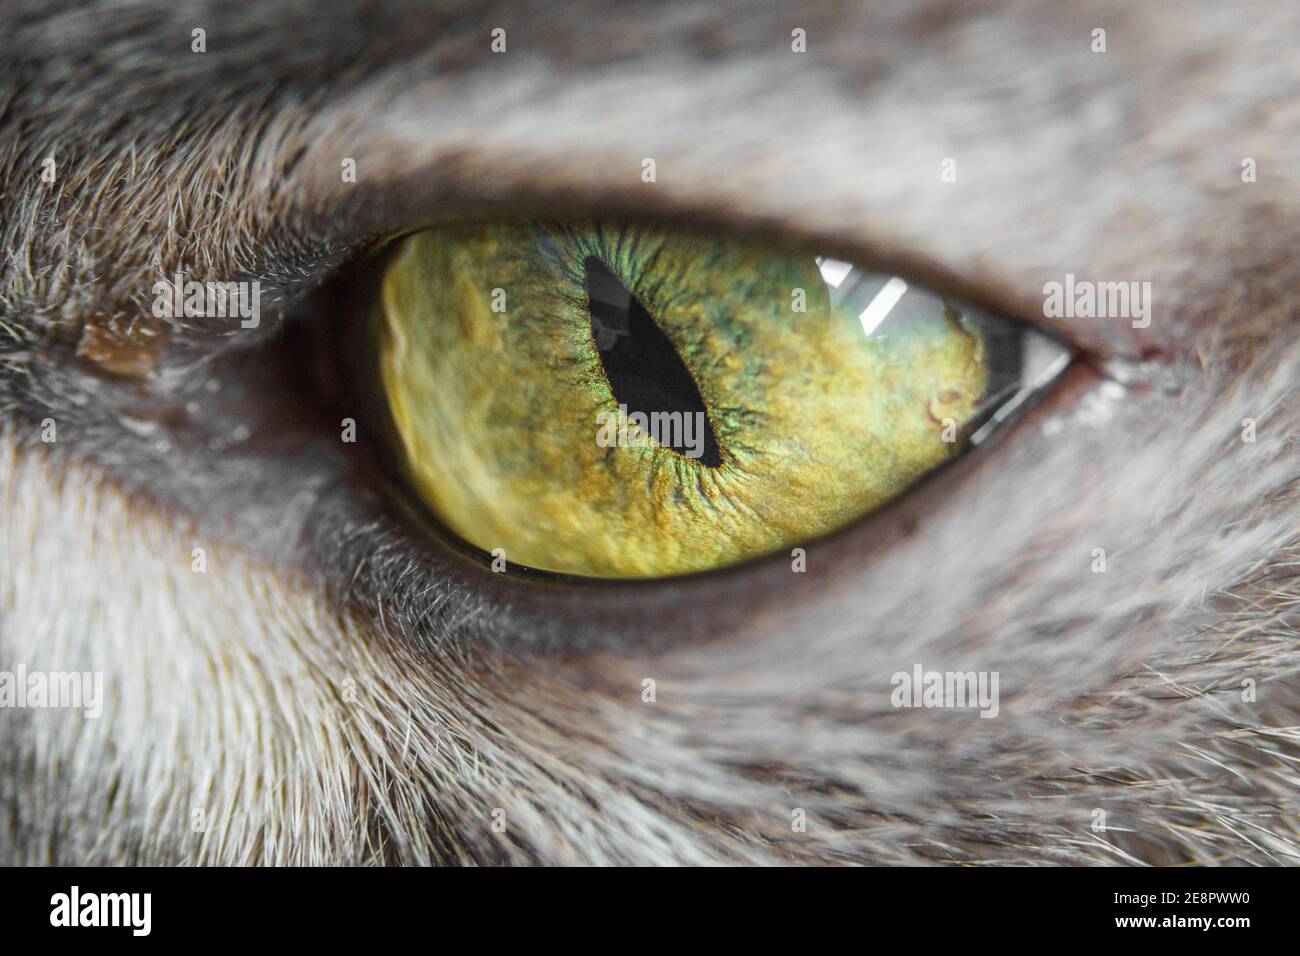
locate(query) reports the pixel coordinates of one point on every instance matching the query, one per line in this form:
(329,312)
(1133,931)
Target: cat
(291,675)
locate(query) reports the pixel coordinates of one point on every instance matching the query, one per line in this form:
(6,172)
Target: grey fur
(229,691)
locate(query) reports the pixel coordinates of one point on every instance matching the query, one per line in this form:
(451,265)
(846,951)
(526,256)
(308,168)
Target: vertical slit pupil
(644,370)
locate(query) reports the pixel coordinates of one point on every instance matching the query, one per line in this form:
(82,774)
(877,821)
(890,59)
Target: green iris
(610,400)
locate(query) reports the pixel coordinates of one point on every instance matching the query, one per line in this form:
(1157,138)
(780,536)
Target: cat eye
(616,400)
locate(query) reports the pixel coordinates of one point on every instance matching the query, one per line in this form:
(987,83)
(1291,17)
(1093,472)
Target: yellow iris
(609,400)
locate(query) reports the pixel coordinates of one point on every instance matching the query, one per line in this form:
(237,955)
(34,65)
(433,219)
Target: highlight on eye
(608,399)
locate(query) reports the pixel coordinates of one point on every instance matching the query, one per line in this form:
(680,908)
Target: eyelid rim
(1099,339)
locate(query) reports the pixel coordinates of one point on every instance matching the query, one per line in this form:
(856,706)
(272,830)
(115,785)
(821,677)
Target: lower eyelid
(525,612)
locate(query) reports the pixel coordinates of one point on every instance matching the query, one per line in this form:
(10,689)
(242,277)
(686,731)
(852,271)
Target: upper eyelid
(365,215)
(459,163)
(317,223)
(378,230)
(410,176)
